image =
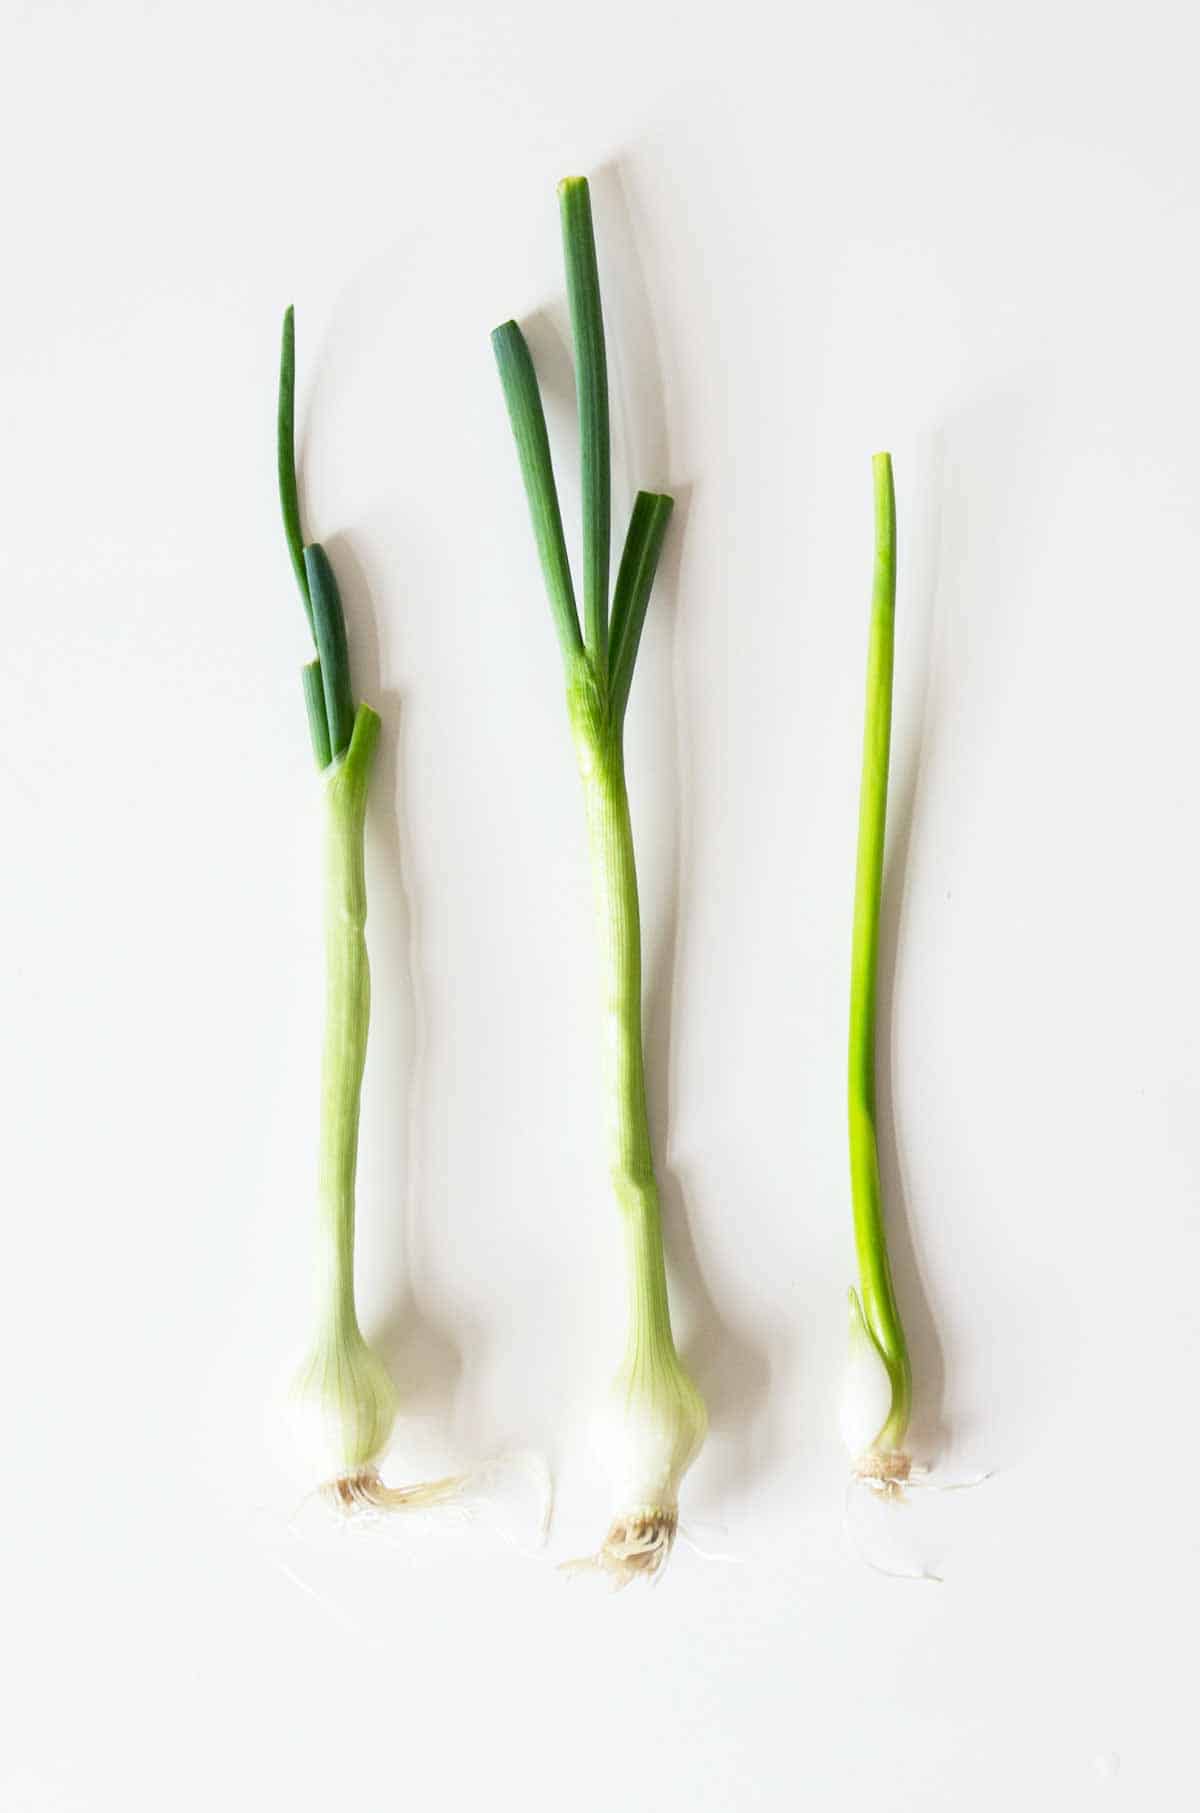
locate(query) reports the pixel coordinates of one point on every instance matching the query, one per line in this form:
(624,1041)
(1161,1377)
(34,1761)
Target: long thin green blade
(329,629)
(875,1277)
(528,418)
(318,723)
(635,579)
(591,387)
(289,497)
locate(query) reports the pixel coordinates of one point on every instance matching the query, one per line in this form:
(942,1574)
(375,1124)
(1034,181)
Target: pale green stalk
(347,1013)
(878,1305)
(598,748)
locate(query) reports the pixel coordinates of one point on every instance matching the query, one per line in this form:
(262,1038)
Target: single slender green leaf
(329,629)
(875,1276)
(635,579)
(591,388)
(289,497)
(528,418)
(318,723)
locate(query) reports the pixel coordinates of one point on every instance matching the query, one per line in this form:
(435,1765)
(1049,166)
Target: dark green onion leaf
(635,578)
(318,723)
(329,629)
(528,418)
(286,450)
(591,387)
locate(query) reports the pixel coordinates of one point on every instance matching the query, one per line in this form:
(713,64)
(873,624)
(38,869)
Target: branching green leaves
(608,643)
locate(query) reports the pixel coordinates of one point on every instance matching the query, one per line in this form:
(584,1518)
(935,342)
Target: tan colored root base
(636,1548)
(365,1491)
(886,1474)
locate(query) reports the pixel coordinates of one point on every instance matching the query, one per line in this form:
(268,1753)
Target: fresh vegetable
(877,1397)
(654,1424)
(344,1401)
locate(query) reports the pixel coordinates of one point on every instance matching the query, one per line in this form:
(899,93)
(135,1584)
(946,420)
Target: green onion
(877,1399)
(343,1400)
(654,1424)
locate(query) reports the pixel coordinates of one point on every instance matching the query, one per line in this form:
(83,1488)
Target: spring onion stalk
(343,1400)
(877,1397)
(654,1422)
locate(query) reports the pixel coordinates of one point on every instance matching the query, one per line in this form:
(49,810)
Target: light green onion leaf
(876,1319)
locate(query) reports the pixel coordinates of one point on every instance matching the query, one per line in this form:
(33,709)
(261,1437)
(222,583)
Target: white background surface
(965,232)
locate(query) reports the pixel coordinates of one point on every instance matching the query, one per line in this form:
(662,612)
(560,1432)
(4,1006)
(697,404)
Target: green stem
(875,1275)
(614,877)
(347,1012)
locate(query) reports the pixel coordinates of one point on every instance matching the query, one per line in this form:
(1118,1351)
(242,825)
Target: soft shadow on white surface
(732,1371)
(640,429)
(913,736)
(547,332)
(355,1569)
